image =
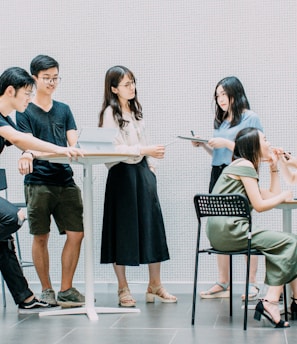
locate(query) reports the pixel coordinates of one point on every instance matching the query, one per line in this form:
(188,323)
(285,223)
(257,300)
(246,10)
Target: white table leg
(89,309)
(287,228)
(287,220)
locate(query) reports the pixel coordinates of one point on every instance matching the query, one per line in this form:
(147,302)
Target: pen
(169,143)
(192,132)
(287,155)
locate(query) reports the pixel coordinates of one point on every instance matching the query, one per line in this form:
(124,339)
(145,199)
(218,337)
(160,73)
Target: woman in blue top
(232,114)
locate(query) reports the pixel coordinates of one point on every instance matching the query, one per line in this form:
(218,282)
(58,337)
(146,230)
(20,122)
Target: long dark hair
(113,77)
(237,99)
(247,146)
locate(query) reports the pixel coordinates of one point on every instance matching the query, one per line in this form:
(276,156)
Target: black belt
(220,167)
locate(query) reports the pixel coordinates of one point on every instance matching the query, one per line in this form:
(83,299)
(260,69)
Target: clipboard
(194,139)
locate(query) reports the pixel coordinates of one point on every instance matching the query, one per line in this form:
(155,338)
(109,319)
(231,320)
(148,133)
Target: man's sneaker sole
(70,304)
(37,310)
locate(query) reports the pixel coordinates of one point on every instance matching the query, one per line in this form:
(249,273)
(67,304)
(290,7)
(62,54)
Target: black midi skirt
(133,229)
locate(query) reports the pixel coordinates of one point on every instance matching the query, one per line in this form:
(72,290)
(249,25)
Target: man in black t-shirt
(50,189)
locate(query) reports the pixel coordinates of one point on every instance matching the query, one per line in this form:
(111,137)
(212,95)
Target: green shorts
(64,203)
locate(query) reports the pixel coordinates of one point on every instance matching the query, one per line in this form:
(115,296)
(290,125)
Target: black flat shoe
(260,310)
(293,309)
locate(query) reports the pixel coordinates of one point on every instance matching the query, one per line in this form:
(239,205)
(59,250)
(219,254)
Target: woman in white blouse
(133,228)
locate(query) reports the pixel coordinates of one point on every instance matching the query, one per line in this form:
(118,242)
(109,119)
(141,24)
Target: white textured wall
(178,51)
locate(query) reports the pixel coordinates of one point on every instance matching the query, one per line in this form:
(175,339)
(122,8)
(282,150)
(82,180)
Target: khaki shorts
(63,203)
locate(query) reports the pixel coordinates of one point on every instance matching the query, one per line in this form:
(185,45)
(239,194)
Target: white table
(87,162)
(287,208)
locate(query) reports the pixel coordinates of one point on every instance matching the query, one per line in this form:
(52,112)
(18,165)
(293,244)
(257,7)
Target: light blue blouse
(222,156)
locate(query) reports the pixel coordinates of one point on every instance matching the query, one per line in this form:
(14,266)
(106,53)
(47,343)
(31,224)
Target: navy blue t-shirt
(50,126)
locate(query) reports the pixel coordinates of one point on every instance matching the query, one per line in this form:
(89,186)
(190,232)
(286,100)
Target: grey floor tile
(157,323)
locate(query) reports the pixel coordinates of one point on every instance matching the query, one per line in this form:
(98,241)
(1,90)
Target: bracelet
(29,152)
(275,171)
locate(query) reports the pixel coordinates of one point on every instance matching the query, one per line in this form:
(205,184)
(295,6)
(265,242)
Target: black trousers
(215,173)
(8,219)
(9,264)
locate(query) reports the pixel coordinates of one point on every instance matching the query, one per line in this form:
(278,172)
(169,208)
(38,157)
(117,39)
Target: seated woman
(279,249)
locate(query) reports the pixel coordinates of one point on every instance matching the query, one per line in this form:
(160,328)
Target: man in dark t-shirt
(50,189)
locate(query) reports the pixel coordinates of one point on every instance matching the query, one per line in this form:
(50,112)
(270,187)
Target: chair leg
(23,263)
(195,288)
(18,247)
(285,302)
(246,292)
(3,291)
(231,286)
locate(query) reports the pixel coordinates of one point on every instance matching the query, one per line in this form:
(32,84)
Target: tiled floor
(155,324)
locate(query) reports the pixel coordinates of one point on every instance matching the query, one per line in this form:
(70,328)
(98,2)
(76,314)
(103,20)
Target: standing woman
(232,113)
(133,229)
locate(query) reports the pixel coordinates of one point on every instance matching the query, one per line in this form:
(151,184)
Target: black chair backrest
(3,181)
(222,205)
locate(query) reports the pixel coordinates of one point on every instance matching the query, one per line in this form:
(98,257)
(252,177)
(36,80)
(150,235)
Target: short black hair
(16,77)
(42,62)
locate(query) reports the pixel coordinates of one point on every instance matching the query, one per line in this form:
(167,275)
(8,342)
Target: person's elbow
(259,209)
(16,141)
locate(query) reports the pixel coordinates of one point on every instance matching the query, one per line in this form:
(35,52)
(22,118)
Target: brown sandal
(160,293)
(125,298)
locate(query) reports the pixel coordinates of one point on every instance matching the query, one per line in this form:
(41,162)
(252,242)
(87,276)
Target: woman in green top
(279,249)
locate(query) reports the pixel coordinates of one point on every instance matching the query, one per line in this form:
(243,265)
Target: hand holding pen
(196,143)
(281,153)
(285,157)
(289,160)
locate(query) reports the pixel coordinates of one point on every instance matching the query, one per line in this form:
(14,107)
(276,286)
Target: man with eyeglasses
(50,189)
(16,90)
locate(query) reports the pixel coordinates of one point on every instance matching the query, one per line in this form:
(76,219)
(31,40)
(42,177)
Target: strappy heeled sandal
(159,293)
(260,310)
(125,298)
(293,309)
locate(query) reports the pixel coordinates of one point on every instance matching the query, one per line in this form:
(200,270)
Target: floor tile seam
(173,337)
(153,328)
(119,319)
(65,335)
(21,321)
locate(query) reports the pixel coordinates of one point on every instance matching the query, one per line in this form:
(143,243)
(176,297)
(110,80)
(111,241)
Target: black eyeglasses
(129,84)
(48,80)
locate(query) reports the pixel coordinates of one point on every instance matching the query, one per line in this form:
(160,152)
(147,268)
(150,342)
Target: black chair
(23,263)
(207,205)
